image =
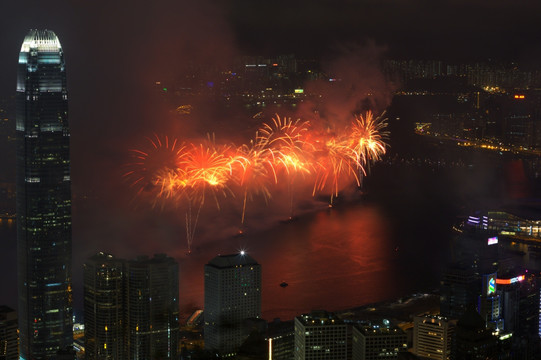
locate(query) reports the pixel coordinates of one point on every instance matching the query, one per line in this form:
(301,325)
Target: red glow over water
(331,260)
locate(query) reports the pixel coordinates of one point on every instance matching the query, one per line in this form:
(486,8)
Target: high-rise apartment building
(103,307)
(377,340)
(151,305)
(232,295)
(432,336)
(131,308)
(43,198)
(320,335)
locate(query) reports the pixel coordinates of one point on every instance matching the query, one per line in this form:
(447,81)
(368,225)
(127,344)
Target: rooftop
(320,317)
(382,327)
(41,41)
(232,260)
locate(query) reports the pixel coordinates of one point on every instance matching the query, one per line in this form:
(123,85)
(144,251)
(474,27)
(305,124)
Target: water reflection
(332,260)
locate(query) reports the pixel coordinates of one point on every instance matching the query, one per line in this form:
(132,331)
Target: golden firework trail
(280,150)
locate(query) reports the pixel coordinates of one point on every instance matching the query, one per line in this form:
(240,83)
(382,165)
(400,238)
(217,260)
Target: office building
(103,308)
(520,311)
(281,339)
(8,334)
(488,305)
(320,335)
(43,198)
(473,340)
(131,307)
(432,336)
(152,313)
(460,287)
(232,295)
(377,340)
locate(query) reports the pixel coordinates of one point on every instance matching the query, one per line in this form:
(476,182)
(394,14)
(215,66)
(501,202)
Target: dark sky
(107,42)
(116,49)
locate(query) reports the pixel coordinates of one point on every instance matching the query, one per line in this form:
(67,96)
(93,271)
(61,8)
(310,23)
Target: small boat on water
(284,284)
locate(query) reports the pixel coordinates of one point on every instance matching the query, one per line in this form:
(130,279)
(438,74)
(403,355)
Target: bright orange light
(520,97)
(510,281)
(282,149)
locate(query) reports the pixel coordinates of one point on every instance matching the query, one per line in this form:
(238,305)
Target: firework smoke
(280,152)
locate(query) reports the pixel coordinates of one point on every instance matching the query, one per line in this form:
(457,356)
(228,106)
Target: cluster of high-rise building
(488,310)
(493,103)
(487,74)
(131,307)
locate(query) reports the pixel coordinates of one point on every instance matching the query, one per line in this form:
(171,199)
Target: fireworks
(367,135)
(188,174)
(152,165)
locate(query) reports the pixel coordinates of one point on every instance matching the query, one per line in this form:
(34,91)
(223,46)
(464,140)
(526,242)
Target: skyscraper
(320,335)
(432,336)
(151,290)
(232,295)
(43,198)
(131,308)
(378,339)
(460,288)
(103,308)
(473,340)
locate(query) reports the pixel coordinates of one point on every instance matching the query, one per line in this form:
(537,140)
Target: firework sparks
(367,139)
(280,151)
(149,166)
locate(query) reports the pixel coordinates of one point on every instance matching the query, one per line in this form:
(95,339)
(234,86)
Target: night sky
(116,50)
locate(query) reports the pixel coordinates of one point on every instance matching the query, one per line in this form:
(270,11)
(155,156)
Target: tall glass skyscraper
(104,307)
(43,198)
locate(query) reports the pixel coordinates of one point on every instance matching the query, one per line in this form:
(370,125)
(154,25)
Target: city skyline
(107,87)
(127,68)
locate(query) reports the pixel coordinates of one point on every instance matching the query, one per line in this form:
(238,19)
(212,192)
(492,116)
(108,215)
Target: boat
(284,284)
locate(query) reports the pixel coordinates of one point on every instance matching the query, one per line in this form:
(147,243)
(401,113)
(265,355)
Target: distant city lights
(492,240)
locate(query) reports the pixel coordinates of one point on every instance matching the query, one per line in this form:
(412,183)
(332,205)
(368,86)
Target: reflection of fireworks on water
(280,151)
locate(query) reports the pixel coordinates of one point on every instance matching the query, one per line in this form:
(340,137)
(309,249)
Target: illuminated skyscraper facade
(43,198)
(104,307)
(320,335)
(432,336)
